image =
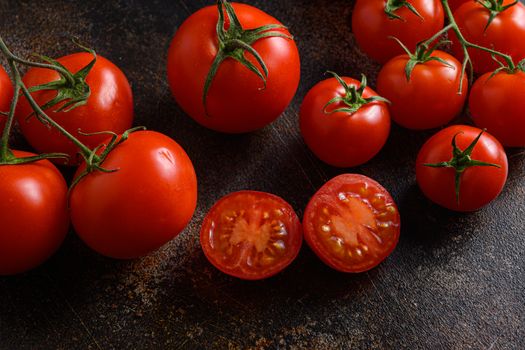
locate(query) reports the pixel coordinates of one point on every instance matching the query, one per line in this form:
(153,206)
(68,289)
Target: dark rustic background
(454,282)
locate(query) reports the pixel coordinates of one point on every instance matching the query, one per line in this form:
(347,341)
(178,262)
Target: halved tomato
(352,223)
(251,235)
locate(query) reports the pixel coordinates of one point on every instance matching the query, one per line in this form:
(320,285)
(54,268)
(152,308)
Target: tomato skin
(33,212)
(430,99)
(341,139)
(6,95)
(254,204)
(329,196)
(506,34)
(372,27)
(479,184)
(236,101)
(109,108)
(497,104)
(455,4)
(137,209)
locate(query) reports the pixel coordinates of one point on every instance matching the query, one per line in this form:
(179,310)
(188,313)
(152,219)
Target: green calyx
(392,6)
(235,42)
(10,159)
(353,98)
(461,161)
(495,7)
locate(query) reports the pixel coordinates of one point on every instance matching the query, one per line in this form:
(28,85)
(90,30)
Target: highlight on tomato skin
(352,223)
(251,235)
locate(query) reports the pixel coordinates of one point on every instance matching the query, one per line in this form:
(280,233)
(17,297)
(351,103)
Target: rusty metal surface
(455,281)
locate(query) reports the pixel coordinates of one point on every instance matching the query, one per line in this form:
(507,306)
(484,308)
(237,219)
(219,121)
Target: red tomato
(343,139)
(372,27)
(455,4)
(479,185)
(33,212)
(430,98)
(251,235)
(144,204)
(352,223)
(506,33)
(109,108)
(6,95)
(498,104)
(237,100)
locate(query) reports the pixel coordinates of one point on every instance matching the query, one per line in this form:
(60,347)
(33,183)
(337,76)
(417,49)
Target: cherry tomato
(430,98)
(352,223)
(455,4)
(109,108)
(498,104)
(343,139)
(33,213)
(373,28)
(6,95)
(251,235)
(477,185)
(237,101)
(145,203)
(506,33)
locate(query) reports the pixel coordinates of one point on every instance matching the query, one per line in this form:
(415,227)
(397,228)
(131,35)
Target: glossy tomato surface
(430,98)
(33,213)
(342,139)
(6,95)
(144,204)
(479,184)
(372,27)
(251,235)
(506,33)
(109,108)
(498,104)
(455,4)
(352,223)
(237,101)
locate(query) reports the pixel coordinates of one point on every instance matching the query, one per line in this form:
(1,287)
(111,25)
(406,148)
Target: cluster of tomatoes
(234,69)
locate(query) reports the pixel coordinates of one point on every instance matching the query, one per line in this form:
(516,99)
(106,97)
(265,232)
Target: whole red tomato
(498,104)
(145,203)
(237,100)
(465,178)
(336,135)
(109,107)
(430,97)
(33,212)
(506,33)
(373,27)
(455,4)
(352,223)
(6,95)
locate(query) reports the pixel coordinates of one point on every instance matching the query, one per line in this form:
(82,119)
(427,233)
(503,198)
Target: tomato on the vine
(505,33)
(223,85)
(374,22)
(429,97)
(497,103)
(6,95)
(462,168)
(251,235)
(33,213)
(108,108)
(455,4)
(146,201)
(344,122)
(352,223)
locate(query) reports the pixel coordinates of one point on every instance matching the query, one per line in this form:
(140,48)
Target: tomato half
(498,104)
(251,235)
(373,28)
(430,98)
(109,108)
(506,33)
(343,139)
(33,213)
(145,203)
(352,223)
(6,95)
(478,185)
(237,101)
